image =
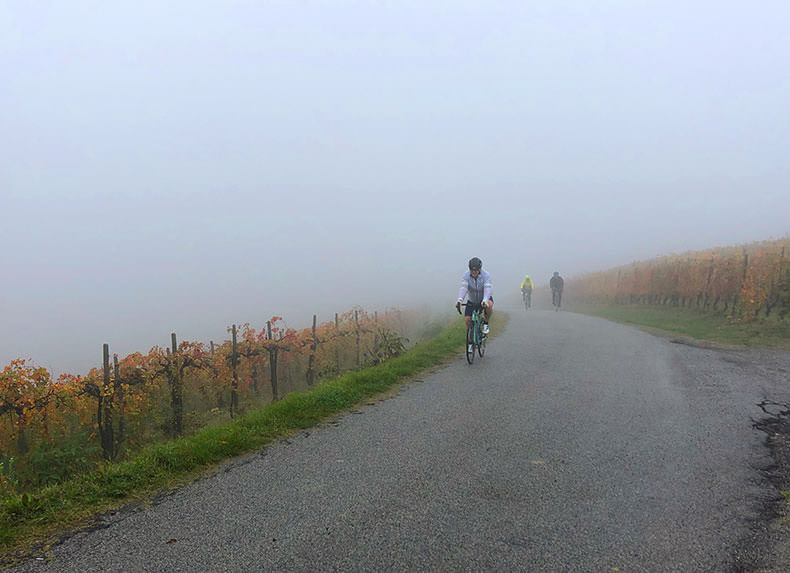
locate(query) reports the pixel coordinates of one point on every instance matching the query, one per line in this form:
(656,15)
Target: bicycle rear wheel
(470,343)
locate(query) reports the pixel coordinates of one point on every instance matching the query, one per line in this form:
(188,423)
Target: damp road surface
(575,444)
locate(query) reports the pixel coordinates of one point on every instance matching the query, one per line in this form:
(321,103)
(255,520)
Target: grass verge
(33,521)
(707,329)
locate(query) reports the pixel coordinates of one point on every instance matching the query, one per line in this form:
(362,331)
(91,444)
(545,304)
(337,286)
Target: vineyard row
(745,281)
(51,429)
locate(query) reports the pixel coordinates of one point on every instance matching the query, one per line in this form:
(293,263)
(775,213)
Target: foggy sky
(183,166)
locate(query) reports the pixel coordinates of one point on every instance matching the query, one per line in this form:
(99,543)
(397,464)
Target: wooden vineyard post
(254,375)
(272,359)
(356,330)
(100,402)
(775,294)
(234,386)
(121,410)
(176,389)
(736,296)
(105,404)
(376,335)
(337,349)
(311,359)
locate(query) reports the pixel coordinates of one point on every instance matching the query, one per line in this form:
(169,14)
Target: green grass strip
(31,520)
(711,329)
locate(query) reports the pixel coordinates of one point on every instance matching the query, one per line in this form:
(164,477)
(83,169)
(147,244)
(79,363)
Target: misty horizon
(184,167)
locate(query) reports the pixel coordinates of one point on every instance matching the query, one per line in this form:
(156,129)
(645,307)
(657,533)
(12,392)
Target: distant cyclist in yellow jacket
(526,291)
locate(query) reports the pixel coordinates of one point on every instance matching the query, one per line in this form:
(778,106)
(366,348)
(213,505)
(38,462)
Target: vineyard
(744,282)
(53,429)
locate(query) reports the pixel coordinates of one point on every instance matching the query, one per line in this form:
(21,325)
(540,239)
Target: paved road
(576,444)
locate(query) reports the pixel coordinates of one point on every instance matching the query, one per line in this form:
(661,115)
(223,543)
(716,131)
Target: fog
(182,166)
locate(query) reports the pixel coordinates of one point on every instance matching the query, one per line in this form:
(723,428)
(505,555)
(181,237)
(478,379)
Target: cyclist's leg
(470,346)
(468,310)
(470,342)
(482,335)
(488,311)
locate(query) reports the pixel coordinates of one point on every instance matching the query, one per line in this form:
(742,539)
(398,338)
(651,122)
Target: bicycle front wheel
(481,347)
(470,343)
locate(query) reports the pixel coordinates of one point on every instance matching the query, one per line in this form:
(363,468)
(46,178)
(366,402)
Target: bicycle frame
(475,339)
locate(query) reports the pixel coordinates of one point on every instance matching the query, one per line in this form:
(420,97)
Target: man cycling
(526,291)
(556,283)
(476,284)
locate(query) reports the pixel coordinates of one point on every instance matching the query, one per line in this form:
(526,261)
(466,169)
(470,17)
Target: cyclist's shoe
(485,328)
(470,348)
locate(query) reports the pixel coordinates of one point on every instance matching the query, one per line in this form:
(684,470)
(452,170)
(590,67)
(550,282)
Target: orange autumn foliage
(743,281)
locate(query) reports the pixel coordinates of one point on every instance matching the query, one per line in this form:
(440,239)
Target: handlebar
(458,307)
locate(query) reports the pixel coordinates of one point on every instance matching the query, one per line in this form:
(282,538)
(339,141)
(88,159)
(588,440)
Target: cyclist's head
(475,264)
(526,277)
(556,273)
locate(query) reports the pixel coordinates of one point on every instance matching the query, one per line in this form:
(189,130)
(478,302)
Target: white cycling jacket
(478,289)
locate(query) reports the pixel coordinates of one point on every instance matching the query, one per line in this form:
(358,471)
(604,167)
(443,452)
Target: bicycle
(526,298)
(475,339)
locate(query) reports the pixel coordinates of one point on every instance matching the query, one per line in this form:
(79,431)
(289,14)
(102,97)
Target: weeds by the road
(770,332)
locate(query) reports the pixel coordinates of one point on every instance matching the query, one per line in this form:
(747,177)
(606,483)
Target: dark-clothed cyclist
(556,283)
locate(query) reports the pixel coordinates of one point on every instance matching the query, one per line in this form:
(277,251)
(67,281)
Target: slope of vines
(744,282)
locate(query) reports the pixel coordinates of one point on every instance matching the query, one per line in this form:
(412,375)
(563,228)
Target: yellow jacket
(527,284)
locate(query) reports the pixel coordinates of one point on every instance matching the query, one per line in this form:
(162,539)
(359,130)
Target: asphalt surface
(576,444)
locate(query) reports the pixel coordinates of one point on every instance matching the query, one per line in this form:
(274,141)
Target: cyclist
(556,283)
(526,290)
(476,285)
